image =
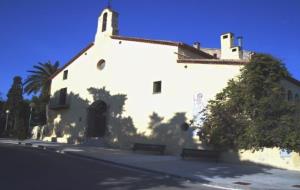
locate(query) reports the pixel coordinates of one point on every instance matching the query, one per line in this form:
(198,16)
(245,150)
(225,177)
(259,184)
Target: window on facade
(63,96)
(289,95)
(226,36)
(234,50)
(156,87)
(65,75)
(101,64)
(297,97)
(104,22)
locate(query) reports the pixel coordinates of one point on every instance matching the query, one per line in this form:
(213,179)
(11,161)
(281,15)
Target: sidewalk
(210,173)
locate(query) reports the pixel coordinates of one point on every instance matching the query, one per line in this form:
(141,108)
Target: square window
(65,75)
(234,50)
(225,37)
(156,87)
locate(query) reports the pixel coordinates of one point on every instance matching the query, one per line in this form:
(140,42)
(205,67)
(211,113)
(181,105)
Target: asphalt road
(27,168)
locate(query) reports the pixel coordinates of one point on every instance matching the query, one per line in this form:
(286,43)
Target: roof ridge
(214,61)
(164,42)
(72,60)
(140,39)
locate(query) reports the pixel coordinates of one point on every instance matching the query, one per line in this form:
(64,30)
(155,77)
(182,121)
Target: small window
(101,64)
(104,22)
(63,96)
(156,87)
(234,50)
(225,37)
(215,55)
(65,75)
(289,95)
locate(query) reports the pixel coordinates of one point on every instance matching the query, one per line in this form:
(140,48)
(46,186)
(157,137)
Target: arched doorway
(96,119)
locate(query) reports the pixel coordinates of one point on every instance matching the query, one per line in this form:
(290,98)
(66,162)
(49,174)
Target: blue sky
(33,31)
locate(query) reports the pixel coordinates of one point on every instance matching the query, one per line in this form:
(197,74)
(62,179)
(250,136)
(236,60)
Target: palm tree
(39,79)
(39,82)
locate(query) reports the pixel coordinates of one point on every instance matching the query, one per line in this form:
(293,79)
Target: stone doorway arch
(97,119)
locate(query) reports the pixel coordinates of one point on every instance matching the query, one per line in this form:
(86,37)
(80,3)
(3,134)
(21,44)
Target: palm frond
(38,78)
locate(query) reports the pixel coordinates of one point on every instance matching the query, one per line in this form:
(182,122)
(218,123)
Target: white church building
(126,90)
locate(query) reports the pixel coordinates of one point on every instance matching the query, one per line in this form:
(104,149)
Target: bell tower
(107,23)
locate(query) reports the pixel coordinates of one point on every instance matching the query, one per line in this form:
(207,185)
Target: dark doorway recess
(97,119)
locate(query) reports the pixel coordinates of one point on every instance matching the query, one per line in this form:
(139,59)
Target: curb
(28,144)
(42,147)
(58,150)
(124,165)
(151,171)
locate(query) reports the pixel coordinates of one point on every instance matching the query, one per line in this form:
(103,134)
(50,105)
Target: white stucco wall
(268,156)
(130,69)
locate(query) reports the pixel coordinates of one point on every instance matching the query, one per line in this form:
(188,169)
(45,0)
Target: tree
(2,115)
(252,112)
(17,107)
(38,113)
(39,82)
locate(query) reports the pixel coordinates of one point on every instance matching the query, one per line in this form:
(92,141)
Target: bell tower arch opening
(104,22)
(107,23)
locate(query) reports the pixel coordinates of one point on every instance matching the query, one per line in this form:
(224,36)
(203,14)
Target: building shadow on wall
(122,133)
(70,121)
(120,128)
(63,122)
(175,133)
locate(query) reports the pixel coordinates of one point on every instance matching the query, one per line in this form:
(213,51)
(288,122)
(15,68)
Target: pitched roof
(213,61)
(72,60)
(164,42)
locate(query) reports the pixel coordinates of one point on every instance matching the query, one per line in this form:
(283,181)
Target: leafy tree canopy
(252,111)
(15,94)
(38,113)
(18,116)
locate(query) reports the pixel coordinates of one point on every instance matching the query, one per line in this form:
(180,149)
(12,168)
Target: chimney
(227,41)
(228,49)
(196,45)
(240,41)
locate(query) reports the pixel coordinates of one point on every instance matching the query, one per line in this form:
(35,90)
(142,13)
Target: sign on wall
(198,109)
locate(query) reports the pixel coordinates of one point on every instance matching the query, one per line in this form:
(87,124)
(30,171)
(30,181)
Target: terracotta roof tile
(213,61)
(163,42)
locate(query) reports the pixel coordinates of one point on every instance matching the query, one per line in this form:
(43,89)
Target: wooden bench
(201,154)
(149,147)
